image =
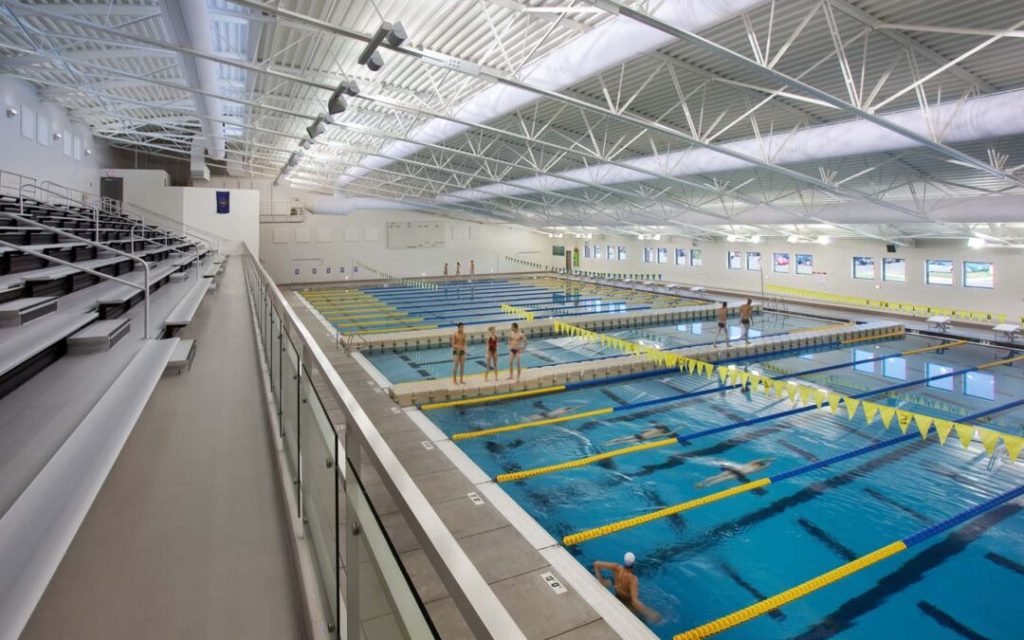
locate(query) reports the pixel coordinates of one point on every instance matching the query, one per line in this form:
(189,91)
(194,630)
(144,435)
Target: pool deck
(441,390)
(491,533)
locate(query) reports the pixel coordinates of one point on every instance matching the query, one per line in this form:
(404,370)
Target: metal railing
(61,232)
(331,461)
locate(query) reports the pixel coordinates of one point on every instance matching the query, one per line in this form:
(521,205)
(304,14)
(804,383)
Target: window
(696,257)
(780,263)
(863,268)
(586,250)
(648,254)
(894,270)
(662,255)
(979,274)
(804,264)
(598,252)
(980,385)
(939,272)
(863,367)
(622,252)
(895,368)
(735,259)
(932,370)
(681,257)
(753,261)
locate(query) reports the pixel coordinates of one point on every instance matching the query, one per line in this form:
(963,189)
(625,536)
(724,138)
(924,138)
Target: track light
(12,112)
(316,128)
(307,143)
(375,61)
(395,34)
(351,88)
(337,103)
(88,152)
(57,137)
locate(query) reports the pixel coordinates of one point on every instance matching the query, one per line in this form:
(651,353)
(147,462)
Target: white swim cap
(629,559)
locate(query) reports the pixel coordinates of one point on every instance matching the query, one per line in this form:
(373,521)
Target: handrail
(61,232)
(483,612)
(122,206)
(152,241)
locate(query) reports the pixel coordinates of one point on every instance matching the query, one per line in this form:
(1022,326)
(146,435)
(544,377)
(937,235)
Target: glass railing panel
(289,406)
(385,604)
(320,491)
(276,351)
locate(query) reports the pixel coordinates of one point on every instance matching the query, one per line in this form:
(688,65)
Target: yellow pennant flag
(965,432)
(887,413)
(743,377)
(805,395)
(833,401)
(903,419)
(870,411)
(723,373)
(851,406)
(924,423)
(791,391)
(780,388)
(943,427)
(819,397)
(989,439)
(767,382)
(691,364)
(1013,446)
(709,369)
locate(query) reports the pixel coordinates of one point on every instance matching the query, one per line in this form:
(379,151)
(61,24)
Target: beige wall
(336,241)
(834,261)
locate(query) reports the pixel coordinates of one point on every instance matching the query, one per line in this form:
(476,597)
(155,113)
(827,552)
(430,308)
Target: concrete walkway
(187,538)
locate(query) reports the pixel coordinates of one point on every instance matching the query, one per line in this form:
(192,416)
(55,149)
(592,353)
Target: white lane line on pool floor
(619,618)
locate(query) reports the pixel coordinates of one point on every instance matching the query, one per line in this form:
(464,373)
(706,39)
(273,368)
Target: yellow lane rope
(500,396)
(536,471)
(944,345)
(597,532)
(996,363)
(466,435)
(799,591)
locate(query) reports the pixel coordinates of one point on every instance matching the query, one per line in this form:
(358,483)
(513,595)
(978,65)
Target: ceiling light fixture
(731,238)
(793,239)
(395,34)
(316,128)
(976,243)
(12,112)
(824,240)
(755,239)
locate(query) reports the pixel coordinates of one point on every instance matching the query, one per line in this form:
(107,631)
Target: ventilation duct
(976,119)
(190,22)
(613,42)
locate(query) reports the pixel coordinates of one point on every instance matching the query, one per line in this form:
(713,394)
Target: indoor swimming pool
(816,514)
(407,365)
(399,308)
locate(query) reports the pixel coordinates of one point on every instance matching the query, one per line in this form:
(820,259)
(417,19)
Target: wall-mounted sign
(223,202)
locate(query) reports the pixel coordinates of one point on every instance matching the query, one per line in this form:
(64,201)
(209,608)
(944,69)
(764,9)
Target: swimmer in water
(733,471)
(554,413)
(626,585)
(658,431)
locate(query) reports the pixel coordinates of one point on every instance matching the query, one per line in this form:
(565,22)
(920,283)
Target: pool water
(396,308)
(708,562)
(406,365)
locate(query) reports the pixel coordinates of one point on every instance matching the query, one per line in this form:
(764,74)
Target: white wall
(145,188)
(241,224)
(334,242)
(47,161)
(834,262)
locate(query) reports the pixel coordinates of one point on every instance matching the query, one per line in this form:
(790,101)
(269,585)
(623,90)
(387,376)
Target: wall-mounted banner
(223,202)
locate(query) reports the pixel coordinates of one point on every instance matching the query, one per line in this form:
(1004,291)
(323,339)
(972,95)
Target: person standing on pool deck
(516,346)
(626,585)
(446,269)
(746,312)
(472,268)
(458,341)
(723,324)
(492,351)
(458,269)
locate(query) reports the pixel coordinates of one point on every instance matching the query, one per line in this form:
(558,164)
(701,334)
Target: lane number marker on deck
(428,445)
(475,498)
(553,582)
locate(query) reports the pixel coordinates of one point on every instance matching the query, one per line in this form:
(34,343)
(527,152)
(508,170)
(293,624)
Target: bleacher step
(99,336)
(17,312)
(181,357)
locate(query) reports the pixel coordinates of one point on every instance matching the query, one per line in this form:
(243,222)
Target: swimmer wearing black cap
(626,585)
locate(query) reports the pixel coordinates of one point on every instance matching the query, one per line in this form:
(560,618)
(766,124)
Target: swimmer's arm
(599,567)
(644,610)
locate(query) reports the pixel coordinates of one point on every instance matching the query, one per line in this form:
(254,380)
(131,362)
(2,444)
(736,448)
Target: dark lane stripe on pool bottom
(730,571)
(822,536)
(881,497)
(1005,562)
(949,622)
(910,572)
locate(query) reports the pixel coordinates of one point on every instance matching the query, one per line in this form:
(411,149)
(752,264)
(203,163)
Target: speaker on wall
(891,248)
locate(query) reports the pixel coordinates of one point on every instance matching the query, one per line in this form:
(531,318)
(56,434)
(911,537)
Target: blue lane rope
(963,516)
